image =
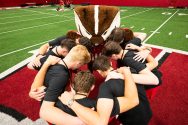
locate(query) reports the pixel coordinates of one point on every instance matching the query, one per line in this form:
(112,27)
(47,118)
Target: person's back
(82,85)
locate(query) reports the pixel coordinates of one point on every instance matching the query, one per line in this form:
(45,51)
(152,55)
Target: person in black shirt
(60,51)
(55,79)
(112,87)
(142,113)
(73,35)
(83,83)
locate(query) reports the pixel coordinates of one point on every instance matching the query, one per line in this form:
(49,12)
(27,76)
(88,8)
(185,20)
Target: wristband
(70,102)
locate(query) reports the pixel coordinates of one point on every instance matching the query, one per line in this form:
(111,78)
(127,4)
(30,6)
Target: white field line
(52,15)
(170,50)
(159,27)
(14,68)
(34,26)
(136,13)
(23,48)
(47,13)
(160,55)
(34,19)
(17,16)
(19,65)
(35,44)
(26,20)
(28,14)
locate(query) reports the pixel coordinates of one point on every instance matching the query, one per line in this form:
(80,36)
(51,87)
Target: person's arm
(43,49)
(54,115)
(130,98)
(142,53)
(86,114)
(104,105)
(140,35)
(145,77)
(151,62)
(36,93)
(41,52)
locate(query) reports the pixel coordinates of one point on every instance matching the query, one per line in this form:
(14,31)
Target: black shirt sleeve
(112,89)
(55,87)
(136,41)
(105,91)
(57,41)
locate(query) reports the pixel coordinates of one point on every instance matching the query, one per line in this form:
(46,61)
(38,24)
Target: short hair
(101,63)
(72,34)
(68,44)
(117,35)
(80,53)
(87,43)
(110,48)
(83,81)
(128,35)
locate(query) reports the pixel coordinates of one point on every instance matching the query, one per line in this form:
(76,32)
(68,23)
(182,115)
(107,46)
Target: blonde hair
(80,53)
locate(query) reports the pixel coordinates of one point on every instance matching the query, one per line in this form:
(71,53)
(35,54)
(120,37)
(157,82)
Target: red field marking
(155,52)
(170,103)
(14,93)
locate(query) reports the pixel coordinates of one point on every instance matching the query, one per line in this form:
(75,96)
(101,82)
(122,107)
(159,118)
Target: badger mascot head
(96,22)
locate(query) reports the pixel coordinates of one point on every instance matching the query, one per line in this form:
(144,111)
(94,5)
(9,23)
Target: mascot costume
(96,23)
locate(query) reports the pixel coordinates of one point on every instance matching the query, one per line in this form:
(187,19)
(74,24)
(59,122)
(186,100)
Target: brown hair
(117,35)
(87,43)
(110,48)
(72,34)
(128,35)
(83,81)
(101,63)
(68,44)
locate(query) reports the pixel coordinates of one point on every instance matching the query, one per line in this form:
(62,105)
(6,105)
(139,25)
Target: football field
(26,29)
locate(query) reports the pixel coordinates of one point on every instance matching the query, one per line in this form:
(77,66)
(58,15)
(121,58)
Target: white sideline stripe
(23,48)
(159,27)
(132,27)
(170,50)
(19,65)
(137,13)
(34,26)
(143,29)
(170,33)
(160,55)
(14,68)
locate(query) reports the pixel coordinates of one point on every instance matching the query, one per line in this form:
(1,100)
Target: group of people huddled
(63,87)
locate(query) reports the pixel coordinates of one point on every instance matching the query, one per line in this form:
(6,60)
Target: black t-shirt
(87,102)
(57,41)
(115,88)
(135,41)
(43,59)
(128,60)
(56,80)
